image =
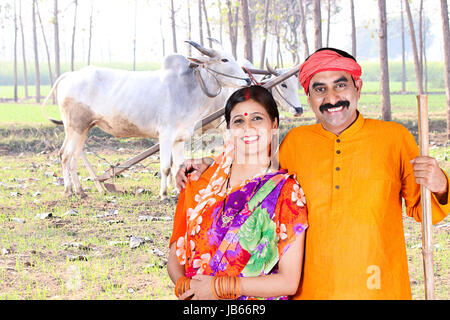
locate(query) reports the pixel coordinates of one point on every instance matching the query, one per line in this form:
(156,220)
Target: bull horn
(206,52)
(215,41)
(271,70)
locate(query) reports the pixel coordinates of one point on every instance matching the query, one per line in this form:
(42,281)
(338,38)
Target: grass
(38,267)
(37,264)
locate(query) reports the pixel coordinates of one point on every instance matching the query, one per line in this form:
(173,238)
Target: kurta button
(338,152)
(337,187)
(338,140)
(337,168)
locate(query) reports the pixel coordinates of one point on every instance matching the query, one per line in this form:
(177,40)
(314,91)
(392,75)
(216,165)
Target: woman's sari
(247,236)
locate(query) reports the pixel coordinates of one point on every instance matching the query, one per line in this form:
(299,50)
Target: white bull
(165,103)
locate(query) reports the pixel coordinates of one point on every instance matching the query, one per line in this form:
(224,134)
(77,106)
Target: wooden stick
(91,171)
(427,239)
(116,170)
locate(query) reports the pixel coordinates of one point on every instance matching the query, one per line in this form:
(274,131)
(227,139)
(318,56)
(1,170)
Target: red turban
(327,60)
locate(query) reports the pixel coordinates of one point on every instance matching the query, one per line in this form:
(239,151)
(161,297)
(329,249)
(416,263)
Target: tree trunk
(352,7)
(317,25)
(303,28)
(208,29)
(135,34)
(384,67)
(232,27)
(47,51)
(200,21)
(328,22)
(264,42)
(16,98)
(248,50)
(421,38)
(161,29)
(417,68)
(174,31)
(446,35)
(72,56)
(90,33)
(219,4)
(55,21)
(188,7)
(24,58)
(403,50)
(37,74)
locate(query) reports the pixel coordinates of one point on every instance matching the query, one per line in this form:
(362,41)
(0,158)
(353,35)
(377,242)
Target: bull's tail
(58,122)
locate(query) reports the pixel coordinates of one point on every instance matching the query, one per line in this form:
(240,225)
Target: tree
(328,21)
(208,29)
(219,6)
(135,34)
(24,58)
(72,56)
(417,67)
(55,23)
(317,25)
(384,68)
(233,27)
(90,33)
(264,36)
(403,49)
(200,22)
(161,29)
(174,30)
(16,98)
(49,63)
(248,46)
(352,10)
(446,35)
(188,7)
(303,28)
(37,81)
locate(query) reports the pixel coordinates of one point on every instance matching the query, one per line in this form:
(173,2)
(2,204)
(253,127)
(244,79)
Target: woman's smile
(250,139)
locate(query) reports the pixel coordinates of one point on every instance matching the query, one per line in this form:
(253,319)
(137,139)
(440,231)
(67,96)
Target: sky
(114,27)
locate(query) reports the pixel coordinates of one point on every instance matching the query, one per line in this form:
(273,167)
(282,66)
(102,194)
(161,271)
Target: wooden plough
(99,181)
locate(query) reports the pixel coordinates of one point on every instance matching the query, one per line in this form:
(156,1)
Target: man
(354,173)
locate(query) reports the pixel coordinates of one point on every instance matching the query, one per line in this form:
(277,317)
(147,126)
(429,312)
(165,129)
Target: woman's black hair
(256,93)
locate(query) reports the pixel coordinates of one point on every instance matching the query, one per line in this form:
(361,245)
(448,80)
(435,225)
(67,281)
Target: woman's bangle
(225,287)
(182,285)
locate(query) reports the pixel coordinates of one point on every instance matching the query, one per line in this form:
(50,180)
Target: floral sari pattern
(262,218)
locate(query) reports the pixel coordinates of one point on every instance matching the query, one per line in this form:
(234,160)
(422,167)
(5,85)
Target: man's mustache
(340,103)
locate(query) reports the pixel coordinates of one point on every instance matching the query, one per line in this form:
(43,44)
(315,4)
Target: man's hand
(428,173)
(193,166)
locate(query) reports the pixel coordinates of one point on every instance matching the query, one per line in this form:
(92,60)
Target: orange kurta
(354,184)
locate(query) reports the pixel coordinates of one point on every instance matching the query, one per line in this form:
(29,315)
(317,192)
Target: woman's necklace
(227,219)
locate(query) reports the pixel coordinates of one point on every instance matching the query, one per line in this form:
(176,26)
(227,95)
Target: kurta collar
(355,127)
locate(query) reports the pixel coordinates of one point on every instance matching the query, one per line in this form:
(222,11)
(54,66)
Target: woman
(239,230)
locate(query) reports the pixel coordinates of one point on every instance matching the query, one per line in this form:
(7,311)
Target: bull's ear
(198,61)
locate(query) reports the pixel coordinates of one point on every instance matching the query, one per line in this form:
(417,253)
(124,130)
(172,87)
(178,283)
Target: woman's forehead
(249,107)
